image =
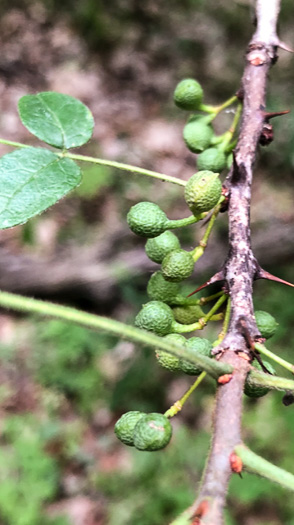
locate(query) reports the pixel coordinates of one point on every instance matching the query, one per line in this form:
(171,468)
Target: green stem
(184,328)
(181,300)
(178,405)
(103,162)
(226,104)
(263,350)
(227,137)
(260,379)
(179,223)
(96,322)
(209,298)
(260,466)
(125,167)
(199,250)
(225,325)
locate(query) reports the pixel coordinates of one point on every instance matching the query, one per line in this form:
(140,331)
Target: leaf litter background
(62,388)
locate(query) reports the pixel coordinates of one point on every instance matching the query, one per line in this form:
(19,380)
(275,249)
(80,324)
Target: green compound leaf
(59,120)
(31,180)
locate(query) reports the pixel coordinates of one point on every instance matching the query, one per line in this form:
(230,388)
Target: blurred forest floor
(62,388)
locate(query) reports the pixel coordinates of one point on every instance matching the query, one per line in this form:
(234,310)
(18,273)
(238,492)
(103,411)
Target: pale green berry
(152,432)
(198,134)
(158,289)
(124,427)
(147,219)
(200,346)
(212,159)
(266,324)
(188,94)
(187,314)
(158,247)
(258,391)
(203,191)
(156,317)
(166,360)
(177,266)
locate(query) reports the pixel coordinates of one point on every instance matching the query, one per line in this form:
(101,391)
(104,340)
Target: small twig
(260,466)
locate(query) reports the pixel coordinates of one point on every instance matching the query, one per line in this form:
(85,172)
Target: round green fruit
(187,314)
(152,432)
(188,94)
(124,427)
(166,360)
(200,346)
(147,219)
(158,247)
(212,159)
(258,391)
(266,324)
(177,266)
(198,135)
(158,289)
(203,191)
(156,317)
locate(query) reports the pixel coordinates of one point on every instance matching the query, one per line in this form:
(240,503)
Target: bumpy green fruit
(177,265)
(266,324)
(158,289)
(147,219)
(169,361)
(197,135)
(187,314)
(198,345)
(124,427)
(258,391)
(203,191)
(212,159)
(155,316)
(188,94)
(152,432)
(158,247)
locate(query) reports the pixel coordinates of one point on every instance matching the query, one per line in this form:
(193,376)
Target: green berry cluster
(213,151)
(144,431)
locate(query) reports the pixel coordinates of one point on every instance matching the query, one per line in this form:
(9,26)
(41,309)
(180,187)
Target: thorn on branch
(219,276)
(283,45)
(267,115)
(262,274)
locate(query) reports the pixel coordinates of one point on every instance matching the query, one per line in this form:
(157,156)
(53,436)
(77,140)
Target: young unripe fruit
(188,94)
(177,266)
(203,191)
(124,427)
(152,432)
(212,159)
(158,289)
(266,324)
(200,346)
(187,314)
(158,247)
(258,391)
(156,317)
(169,361)
(147,219)
(197,135)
